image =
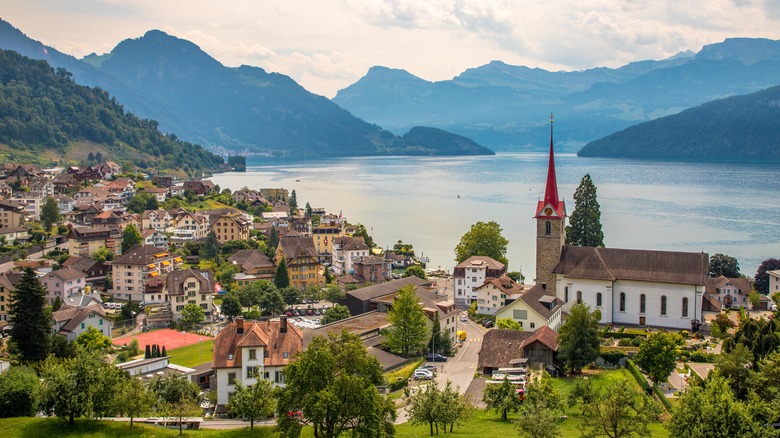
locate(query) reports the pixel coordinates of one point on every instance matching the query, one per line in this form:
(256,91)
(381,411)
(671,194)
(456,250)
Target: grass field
(192,355)
(83,428)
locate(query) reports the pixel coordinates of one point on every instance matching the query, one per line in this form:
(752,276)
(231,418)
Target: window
(579,297)
(642,301)
(251,371)
(685,307)
(533,325)
(519,314)
(663,305)
(566,294)
(252,354)
(547,228)
(82,326)
(598,299)
(622,301)
(231,378)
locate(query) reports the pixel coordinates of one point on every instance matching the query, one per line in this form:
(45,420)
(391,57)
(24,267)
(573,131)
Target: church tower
(550,226)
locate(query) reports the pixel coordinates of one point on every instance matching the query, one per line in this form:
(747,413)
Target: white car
(422,374)
(463,318)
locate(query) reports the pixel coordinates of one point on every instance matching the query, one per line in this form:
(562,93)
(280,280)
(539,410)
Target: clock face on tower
(548,211)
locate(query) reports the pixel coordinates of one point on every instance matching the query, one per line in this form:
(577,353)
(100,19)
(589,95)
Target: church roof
(551,207)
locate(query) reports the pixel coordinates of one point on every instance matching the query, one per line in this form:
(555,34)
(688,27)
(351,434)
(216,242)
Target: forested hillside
(44,114)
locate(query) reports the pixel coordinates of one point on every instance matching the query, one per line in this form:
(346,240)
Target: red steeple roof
(551,206)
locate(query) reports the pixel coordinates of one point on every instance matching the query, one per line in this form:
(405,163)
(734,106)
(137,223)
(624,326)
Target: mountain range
(505,107)
(244,109)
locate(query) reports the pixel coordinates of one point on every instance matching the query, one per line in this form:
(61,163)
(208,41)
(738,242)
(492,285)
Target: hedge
(623,335)
(646,386)
(660,394)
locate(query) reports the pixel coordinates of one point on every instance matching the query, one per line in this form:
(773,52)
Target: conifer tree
(584,227)
(148,352)
(31,328)
(282,277)
(210,248)
(408,332)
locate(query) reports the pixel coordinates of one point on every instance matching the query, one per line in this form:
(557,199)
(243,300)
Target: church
(628,286)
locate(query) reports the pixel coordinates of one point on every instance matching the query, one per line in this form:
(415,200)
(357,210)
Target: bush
(684,333)
(640,379)
(613,356)
(625,342)
(399,383)
(701,357)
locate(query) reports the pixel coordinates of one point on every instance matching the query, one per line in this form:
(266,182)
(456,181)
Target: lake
(431,202)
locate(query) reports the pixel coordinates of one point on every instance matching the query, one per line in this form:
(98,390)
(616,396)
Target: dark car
(487,324)
(435,357)
(317,312)
(309,312)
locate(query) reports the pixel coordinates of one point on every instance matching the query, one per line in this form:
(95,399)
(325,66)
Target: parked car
(317,312)
(431,368)
(464,318)
(422,375)
(296,312)
(309,312)
(435,357)
(487,323)
(289,313)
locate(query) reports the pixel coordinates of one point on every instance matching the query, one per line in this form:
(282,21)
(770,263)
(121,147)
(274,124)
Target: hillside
(738,129)
(243,109)
(427,141)
(505,107)
(44,114)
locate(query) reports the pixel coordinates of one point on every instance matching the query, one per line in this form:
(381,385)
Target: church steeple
(551,206)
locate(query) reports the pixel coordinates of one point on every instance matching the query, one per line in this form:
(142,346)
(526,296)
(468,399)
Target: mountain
(422,140)
(734,129)
(246,109)
(505,107)
(44,116)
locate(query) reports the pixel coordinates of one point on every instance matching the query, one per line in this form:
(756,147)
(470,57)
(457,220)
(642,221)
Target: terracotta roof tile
(227,345)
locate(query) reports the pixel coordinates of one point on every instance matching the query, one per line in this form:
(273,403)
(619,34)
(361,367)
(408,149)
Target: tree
(618,410)
(333,293)
(50,213)
(209,250)
(425,406)
(516,276)
(273,239)
(408,331)
(142,201)
(133,397)
(508,324)
(483,239)
(272,302)
(404,249)
(31,328)
(57,304)
(578,338)
(439,342)
(291,295)
(502,397)
(176,395)
(584,227)
(231,306)
(724,265)
(93,340)
(736,366)
(361,231)
(541,410)
(293,203)
(711,410)
(335,313)
(657,355)
(101,255)
(282,277)
(754,299)
(253,402)
(191,314)
(308,211)
(18,392)
(130,237)
(415,270)
(761,280)
(333,385)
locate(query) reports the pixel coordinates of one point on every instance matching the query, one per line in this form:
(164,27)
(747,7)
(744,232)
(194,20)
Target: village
(226,289)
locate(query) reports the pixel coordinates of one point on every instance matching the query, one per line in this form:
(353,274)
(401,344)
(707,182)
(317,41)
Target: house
(177,190)
(41,188)
(303,267)
(374,269)
(65,203)
(275,194)
(432,305)
(253,265)
(190,286)
(85,241)
(115,218)
(71,321)
(471,274)
(123,187)
(95,272)
(199,187)
(32,205)
(12,236)
(155,238)
(134,268)
(160,220)
(729,292)
(774,282)
(494,293)
(323,235)
(188,227)
(534,308)
(301,225)
(345,251)
(630,286)
(5,190)
(163,181)
(232,225)
(159,193)
(247,350)
(359,301)
(8,281)
(63,283)
(66,183)
(85,173)
(12,214)
(508,348)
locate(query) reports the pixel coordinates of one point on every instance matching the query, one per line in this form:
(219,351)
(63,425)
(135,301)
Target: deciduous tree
(253,402)
(130,237)
(335,313)
(761,280)
(440,341)
(618,410)
(231,306)
(18,392)
(416,270)
(191,315)
(483,239)
(31,328)
(541,410)
(727,266)
(657,355)
(134,398)
(578,337)
(332,384)
(176,395)
(93,340)
(333,293)
(50,213)
(508,324)
(502,397)
(408,331)
(584,227)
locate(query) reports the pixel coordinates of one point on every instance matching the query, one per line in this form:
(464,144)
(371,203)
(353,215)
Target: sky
(326,45)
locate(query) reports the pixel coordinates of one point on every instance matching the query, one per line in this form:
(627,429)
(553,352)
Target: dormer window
(230,357)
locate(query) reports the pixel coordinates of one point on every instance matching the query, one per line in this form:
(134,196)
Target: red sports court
(167,338)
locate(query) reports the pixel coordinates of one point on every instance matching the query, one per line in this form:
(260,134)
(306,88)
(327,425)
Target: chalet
(71,321)
(85,173)
(5,190)
(533,308)
(199,187)
(495,293)
(253,265)
(66,183)
(508,348)
(160,220)
(95,272)
(188,227)
(190,286)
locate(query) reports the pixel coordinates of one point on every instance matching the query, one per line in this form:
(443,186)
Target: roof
(249,259)
(294,247)
(361,325)
(75,316)
(351,243)
(174,281)
(504,284)
(378,290)
(715,283)
(256,333)
(535,299)
(551,207)
(139,255)
(67,274)
(481,262)
(545,335)
(501,346)
(612,264)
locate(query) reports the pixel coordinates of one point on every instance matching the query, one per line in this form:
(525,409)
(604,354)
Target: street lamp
(132,321)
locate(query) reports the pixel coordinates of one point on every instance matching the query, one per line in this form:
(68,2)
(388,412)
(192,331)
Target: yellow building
(303,268)
(231,226)
(323,235)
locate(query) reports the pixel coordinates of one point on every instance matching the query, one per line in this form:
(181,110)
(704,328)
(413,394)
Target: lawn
(37,427)
(192,355)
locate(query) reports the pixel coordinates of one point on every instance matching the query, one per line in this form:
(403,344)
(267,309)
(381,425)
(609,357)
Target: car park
(288,313)
(317,312)
(435,357)
(309,312)
(296,313)
(420,374)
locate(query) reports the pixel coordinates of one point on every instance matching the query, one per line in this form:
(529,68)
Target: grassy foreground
(41,427)
(192,355)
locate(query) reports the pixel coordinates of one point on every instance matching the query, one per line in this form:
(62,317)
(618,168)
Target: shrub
(637,341)
(684,333)
(613,356)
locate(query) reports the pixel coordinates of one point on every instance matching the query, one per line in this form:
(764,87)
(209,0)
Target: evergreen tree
(293,203)
(273,239)
(439,342)
(578,338)
(130,237)
(57,304)
(99,158)
(31,328)
(308,211)
(584,227)
(148,352)
(164,353)
(408,332)
(210,248)
(282,277)
(50,213)
(91,157)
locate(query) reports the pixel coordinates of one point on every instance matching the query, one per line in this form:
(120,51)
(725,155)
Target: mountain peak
(746,50)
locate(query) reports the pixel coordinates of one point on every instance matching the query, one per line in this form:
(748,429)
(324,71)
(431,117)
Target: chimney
(283,324)
(240,325)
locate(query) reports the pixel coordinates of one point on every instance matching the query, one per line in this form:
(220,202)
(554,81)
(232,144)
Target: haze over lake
(431,202)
